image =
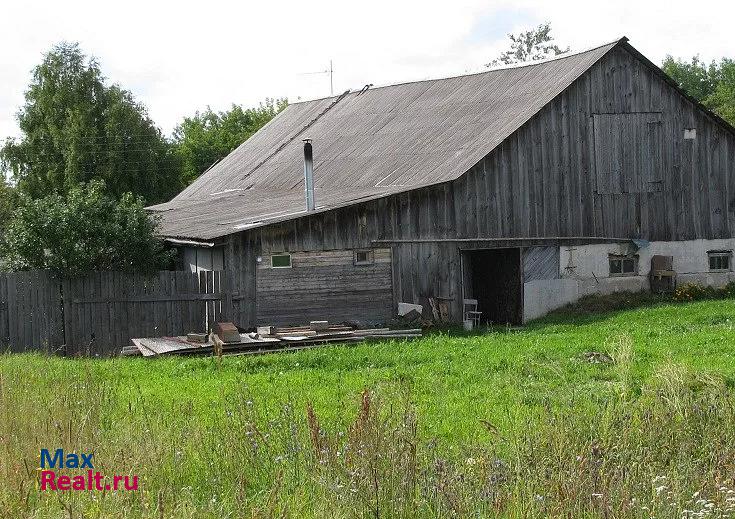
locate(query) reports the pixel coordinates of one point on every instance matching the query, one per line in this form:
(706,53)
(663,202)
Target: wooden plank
(86,328)
(98,316)
(123,311)
(211,305)
(66,316)
(204,309)
(138,283)
(4,313)
(106,320)
(218,276)
(43,293)
(13,335)
(180,307)
(194,318)
(28,312)
(70,318)
(175,310)
(118,315)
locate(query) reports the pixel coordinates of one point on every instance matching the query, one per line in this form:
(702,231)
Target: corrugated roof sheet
(367,145)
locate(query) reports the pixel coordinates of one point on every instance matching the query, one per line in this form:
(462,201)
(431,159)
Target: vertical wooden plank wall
(100,312)
(241,253)
(326,285)
(104,310)
(30,312)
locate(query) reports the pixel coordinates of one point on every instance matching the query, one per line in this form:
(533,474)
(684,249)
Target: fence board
(4,313)
(30,315)
(98,313)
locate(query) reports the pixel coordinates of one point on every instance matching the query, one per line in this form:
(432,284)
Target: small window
(623,265)
(281,261)
(364,257)
(719,261)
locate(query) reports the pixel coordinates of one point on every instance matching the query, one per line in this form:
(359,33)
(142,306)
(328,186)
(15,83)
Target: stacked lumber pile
(223,341)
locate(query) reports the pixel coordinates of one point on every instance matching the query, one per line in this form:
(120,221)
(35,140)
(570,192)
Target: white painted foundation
(584,270)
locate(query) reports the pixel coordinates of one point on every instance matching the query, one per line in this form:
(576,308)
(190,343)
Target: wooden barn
(524,188)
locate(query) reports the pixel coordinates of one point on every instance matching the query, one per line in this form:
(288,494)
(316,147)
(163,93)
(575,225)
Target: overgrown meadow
(621,414)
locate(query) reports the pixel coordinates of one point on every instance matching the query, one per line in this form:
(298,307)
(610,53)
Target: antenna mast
(329,71)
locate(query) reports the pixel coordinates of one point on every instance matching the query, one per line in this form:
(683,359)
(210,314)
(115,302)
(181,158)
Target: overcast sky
(179,57)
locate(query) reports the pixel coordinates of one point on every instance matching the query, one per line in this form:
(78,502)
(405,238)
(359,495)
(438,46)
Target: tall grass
(665,448)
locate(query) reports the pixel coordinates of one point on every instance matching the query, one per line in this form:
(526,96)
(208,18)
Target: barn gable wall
(543,180)
(540,182)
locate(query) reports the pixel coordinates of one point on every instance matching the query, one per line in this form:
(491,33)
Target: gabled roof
(368,145)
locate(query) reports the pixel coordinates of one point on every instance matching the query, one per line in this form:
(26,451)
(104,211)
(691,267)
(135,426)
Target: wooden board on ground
(282,339)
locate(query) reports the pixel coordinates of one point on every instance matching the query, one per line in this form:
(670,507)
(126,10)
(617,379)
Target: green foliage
(695,292)
(696,77)
(532,45)
(722,101)
(84,230)
(76,129)
(8,200)
(209,136)
(713,85)
(514,424)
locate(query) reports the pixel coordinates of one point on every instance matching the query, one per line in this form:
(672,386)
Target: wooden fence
(30,312)
(97,314)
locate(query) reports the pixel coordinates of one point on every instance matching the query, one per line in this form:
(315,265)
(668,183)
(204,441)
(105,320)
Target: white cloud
(178,57)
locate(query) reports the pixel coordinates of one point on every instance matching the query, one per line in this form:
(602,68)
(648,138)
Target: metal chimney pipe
(309,175)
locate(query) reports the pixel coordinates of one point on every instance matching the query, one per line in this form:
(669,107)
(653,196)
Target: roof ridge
(524,64)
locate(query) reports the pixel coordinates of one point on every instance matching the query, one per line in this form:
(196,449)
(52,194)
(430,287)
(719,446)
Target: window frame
(362,263)
(718,255)
(282,254)
(622,258)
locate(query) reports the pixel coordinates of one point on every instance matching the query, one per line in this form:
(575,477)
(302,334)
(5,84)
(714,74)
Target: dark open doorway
(493,277)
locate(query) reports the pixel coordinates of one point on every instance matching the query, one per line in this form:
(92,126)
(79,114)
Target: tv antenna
(329,71)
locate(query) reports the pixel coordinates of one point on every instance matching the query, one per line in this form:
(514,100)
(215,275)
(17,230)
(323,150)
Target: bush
(85,230)
(695,292)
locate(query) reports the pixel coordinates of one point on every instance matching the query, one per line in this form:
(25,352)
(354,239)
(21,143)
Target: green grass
(490,396)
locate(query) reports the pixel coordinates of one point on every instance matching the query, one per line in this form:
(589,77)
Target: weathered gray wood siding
(325,285)
(543,182)
(540,263)
(241,252)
